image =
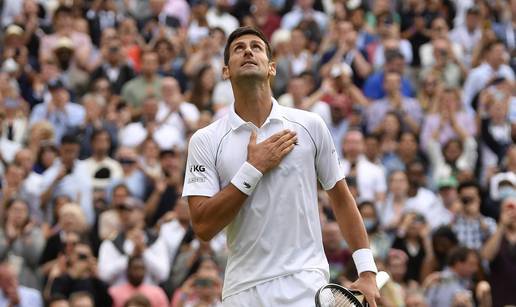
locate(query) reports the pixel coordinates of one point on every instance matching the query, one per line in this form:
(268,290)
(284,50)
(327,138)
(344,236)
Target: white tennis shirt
(277,231)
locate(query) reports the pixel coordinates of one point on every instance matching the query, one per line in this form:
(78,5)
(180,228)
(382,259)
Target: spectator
(12,294)
(439,31)
(21,242)
(201,92)
(493,66)
(379,240)
(59,110)
(370,187)
(217,16)
(468,34)
(413,239)
(79,277)
(174,111)
(62,25)
(135,275)
(302,11)
(463,264)
(133,240)
(394,62)
(497,252)
(148,83)
(103,169)
(408,108)
(338,256)
(113,68)
(71,225)
(70,177)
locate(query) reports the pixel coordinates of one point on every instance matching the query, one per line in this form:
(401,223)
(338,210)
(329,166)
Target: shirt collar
(275,114)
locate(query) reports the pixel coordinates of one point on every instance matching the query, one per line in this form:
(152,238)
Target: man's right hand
(269,153)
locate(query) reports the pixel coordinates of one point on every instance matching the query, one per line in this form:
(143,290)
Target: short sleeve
(327,162)
(201,177)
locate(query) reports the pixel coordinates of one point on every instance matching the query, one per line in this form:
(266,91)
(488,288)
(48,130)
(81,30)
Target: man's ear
(225,72)
(272,68)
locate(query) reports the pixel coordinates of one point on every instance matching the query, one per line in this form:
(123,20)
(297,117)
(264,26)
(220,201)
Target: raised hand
(269,153)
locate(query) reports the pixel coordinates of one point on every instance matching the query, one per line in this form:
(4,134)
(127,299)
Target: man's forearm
(211,215)
(348,216)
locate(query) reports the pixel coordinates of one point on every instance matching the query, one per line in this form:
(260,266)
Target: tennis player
(254,172)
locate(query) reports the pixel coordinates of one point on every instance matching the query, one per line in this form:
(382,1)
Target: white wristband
(364,261)
(247,178)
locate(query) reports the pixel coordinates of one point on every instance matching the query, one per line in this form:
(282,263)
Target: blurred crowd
(98,100)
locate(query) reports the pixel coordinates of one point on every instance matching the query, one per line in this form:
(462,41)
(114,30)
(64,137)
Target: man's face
(470,199)
(392,83)
(353,144)
(149,63)
(136,272)
(68,153)
(60,97)
(248,59)
(101,144)
(469,267)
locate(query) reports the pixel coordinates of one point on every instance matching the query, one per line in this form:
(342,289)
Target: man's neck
(148,78)
(253,101)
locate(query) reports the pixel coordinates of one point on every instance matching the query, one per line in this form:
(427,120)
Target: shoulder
(212,133)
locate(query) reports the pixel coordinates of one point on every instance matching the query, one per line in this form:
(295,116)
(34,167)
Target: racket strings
(342,300)
(332,297)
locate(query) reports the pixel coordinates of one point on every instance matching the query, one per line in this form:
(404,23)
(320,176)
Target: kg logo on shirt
(197,168)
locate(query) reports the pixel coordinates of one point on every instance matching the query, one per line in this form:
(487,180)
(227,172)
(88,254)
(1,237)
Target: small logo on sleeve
(247,185)
(199,168)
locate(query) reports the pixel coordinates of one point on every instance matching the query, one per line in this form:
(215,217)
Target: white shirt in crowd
(479,77)
(370,178)
(273,211)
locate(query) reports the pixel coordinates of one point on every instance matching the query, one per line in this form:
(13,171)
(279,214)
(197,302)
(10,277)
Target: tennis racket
(333,295)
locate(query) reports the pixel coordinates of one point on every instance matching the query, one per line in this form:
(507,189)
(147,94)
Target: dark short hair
(245,31)
(63,9)
(470,184)
(70,139)
(459,254)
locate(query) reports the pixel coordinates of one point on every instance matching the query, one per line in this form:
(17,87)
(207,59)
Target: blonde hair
(78,214)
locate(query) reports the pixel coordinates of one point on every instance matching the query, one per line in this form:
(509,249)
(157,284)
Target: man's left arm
(354,232)
(331,177)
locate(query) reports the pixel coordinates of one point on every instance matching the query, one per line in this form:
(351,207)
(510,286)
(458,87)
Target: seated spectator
(133,178)
(446,65)
(457,277)
(468,34)
(412,237)
(69,176)
(202,288)
(217,16)
(429,93)
(80,276)
(497,250)
(379,241)
(135,275)
(174,111)
(11,293)
(71,225)
(391,210)
(408,108)
(337,255)
(439,31)
(148,83)
(355,164)
(21,242)
(443,241)
(133,240)
(394,62)
(62,25)
(301,11)
(493,67)
(472,228)
(59,111)
(166,136)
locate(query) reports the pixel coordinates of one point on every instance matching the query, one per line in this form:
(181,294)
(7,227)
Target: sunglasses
(203,282)
(123,208)
(467,200)
(126,161)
